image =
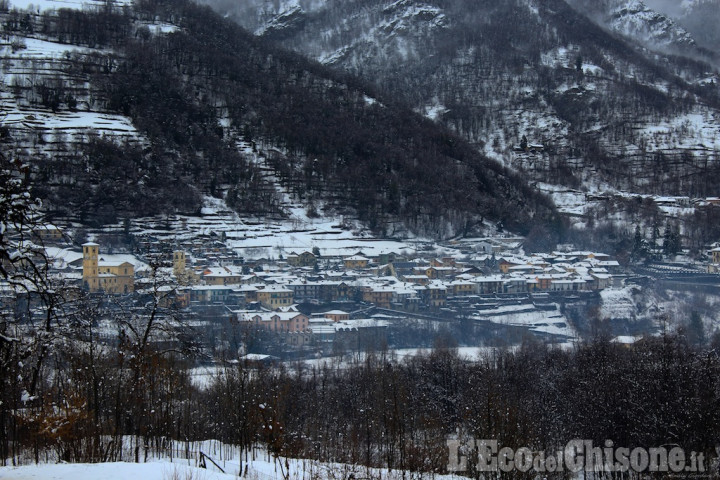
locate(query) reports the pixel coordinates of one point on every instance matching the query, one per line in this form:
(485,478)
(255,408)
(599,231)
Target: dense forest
(211,99)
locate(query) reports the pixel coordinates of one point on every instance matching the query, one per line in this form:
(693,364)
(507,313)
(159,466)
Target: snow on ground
(434,111)
(552,323)
(263,467)
(110,471)
(573,202)
(70,123)
(694,131)
(159,28)
(61,257)
(634,19)
(256,238)
(42,58)
(618,303)
(35,48)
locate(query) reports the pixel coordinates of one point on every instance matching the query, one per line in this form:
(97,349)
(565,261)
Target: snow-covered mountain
(606,97)
(548,90)
(634,19)
(476,67)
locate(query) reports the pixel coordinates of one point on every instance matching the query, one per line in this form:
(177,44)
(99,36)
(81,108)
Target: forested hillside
(209,99)
(581,95)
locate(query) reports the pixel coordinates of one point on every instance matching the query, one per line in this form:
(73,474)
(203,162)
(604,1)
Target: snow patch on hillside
(697,130)
(42,5)
(255,238)
(551,323)
(573,202)
(563,56)
(434,111)
(402,22)
(34,48)
(617,303)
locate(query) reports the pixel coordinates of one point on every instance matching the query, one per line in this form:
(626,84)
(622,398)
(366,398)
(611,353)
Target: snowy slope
(30,62)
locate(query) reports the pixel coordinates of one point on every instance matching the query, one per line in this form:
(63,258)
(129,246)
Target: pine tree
(696,329)
(654,237)
(668,240)
(639,247)
(671,240)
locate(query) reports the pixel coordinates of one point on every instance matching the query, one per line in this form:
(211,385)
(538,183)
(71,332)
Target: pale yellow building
(109,277)
(179,263)
(356,261)
(715,255)
(183,275)
(275,296)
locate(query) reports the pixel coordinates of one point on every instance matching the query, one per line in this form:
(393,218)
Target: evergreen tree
(639,247)
(654,237)
(696,330)
(667,240)
(671,240)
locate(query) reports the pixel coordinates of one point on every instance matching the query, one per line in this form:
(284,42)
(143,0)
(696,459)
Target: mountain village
(306,296)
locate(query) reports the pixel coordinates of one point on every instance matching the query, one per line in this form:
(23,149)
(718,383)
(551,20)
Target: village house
(439,272)
(507,263)
(543,282)
(275,296)
(279,322)
(337,315)
(304,290)
(49,234)
(715,252)
(489,284)
(435,294)
(213,294)
(403,268)
(387,257)
(406,298)
(305,259)
(515,285)
(222,276)
(463,287)
(484,247)
(355,262)
(416,279)
(382,296)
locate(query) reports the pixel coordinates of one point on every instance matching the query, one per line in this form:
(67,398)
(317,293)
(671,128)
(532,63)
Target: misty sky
(668,7)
